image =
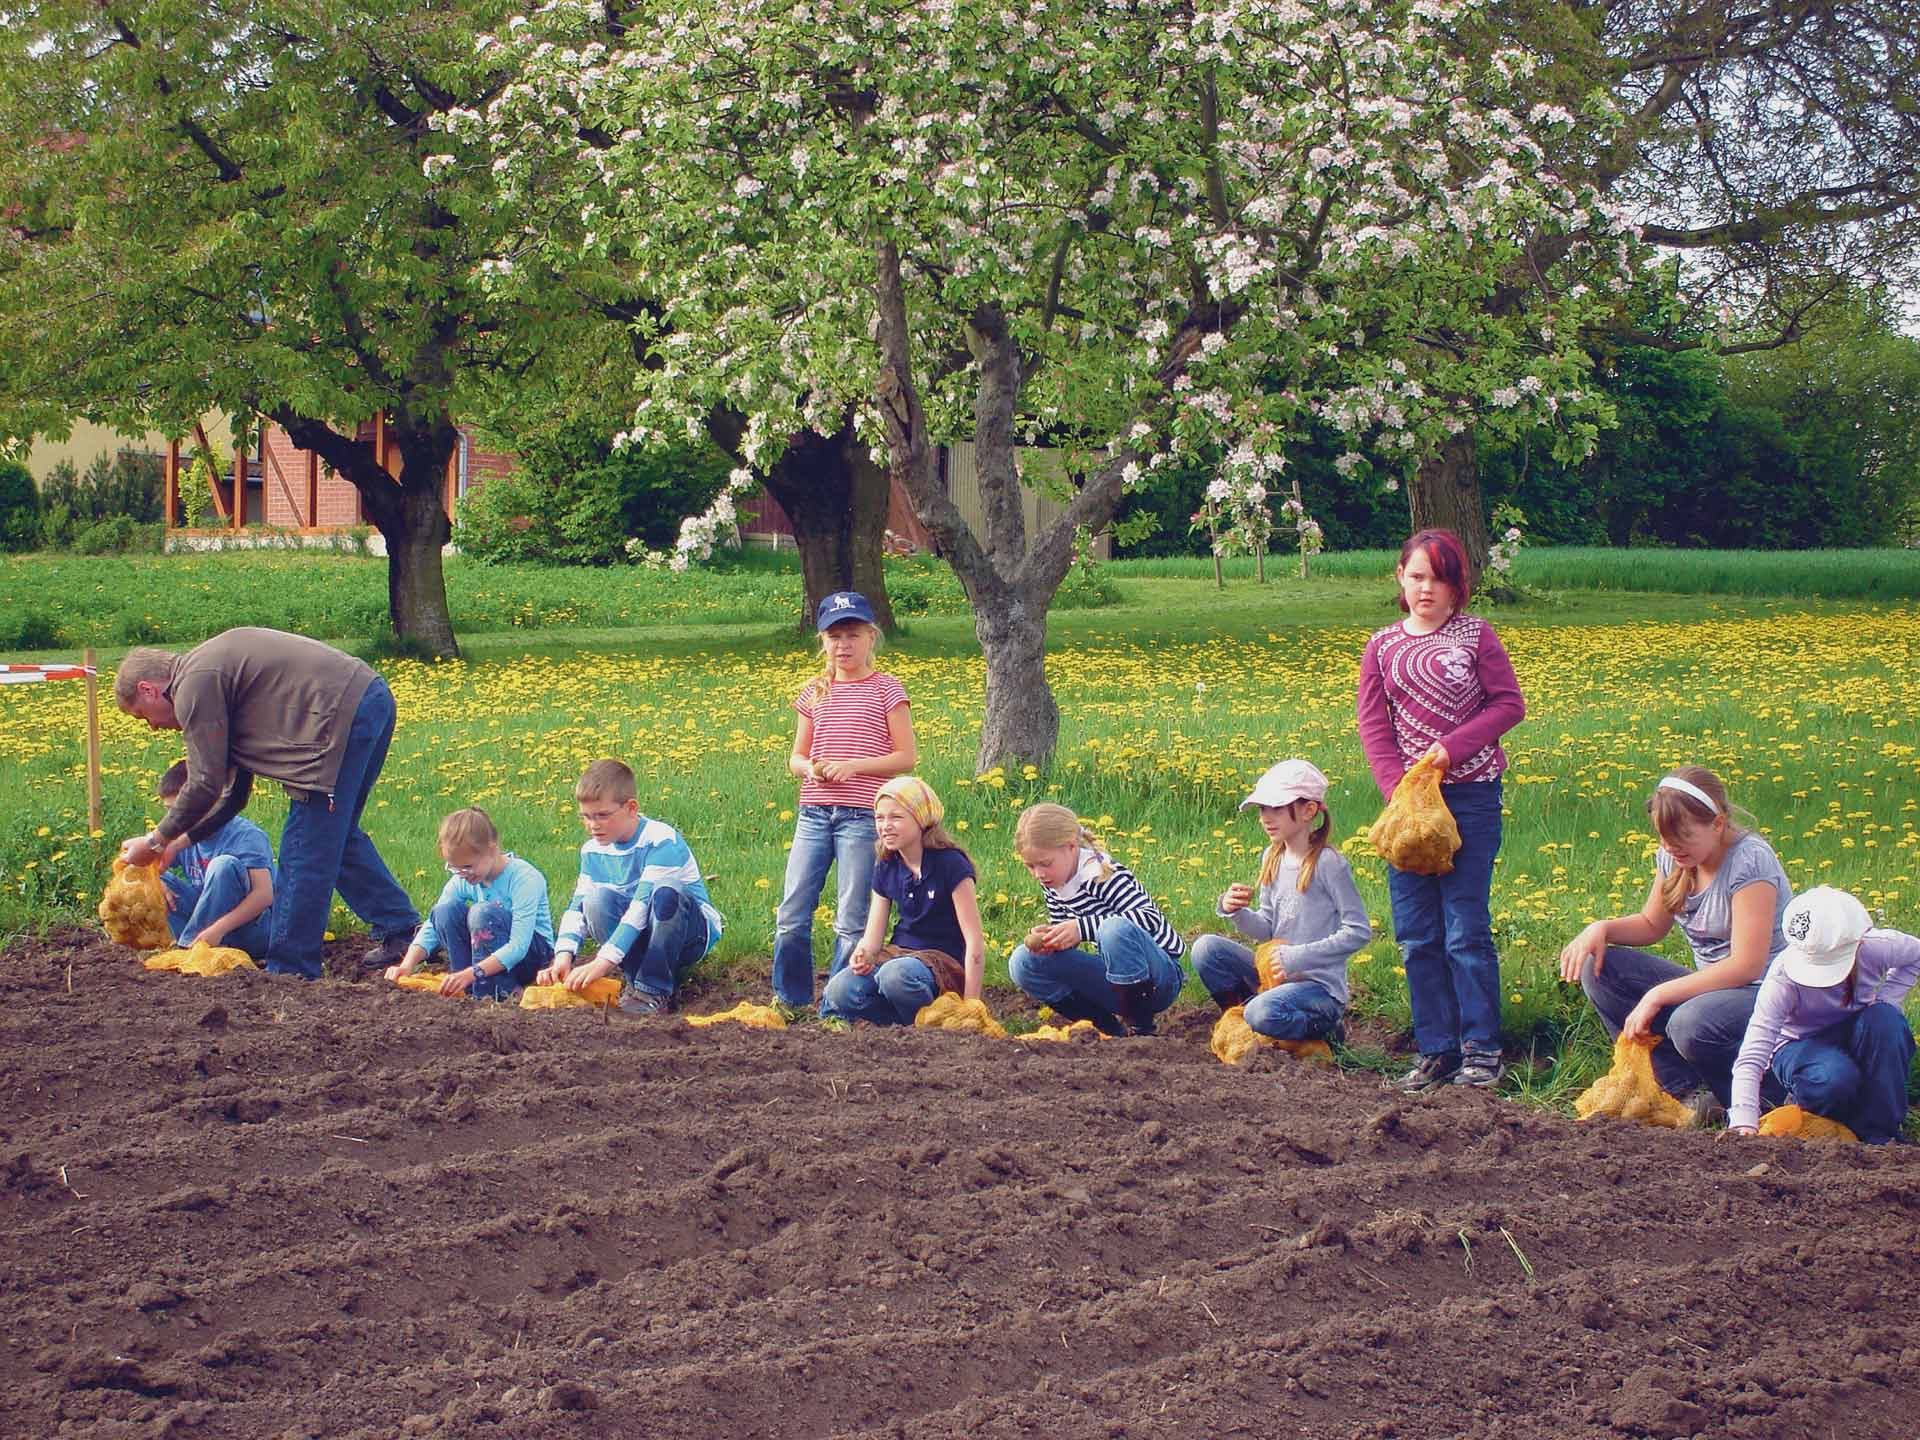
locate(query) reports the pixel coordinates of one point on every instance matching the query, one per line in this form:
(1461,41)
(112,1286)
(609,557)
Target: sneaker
(1482,1072)
(642,1004)
(1704,1110)
(1429,1071)
(390,951)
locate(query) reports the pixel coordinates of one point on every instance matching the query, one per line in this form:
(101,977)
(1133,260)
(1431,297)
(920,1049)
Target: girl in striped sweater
(1092,900)
(854,734)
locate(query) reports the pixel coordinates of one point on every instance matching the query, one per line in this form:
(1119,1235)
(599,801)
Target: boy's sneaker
(642,1004)
(1482,1072)
(390,951)
(1429,1071)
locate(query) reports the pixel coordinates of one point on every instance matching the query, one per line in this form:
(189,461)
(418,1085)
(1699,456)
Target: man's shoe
(1428,1071)
(1482,1072)
(390,951)
(642,1004)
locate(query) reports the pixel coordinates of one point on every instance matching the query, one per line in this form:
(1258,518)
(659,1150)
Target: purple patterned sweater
(1454,685)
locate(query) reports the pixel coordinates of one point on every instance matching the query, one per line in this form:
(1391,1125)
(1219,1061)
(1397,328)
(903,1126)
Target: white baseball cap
(1823,928)
(1286,782)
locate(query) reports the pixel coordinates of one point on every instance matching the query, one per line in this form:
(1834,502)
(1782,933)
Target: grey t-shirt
(1324,926)
(1707,918)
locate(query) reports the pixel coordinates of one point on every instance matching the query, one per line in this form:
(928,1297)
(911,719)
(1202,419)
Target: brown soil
(257,1208)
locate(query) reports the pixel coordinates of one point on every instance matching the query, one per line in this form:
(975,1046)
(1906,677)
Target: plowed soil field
(256,1208)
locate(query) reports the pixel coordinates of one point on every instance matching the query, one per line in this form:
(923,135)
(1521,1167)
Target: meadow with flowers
(1173,700)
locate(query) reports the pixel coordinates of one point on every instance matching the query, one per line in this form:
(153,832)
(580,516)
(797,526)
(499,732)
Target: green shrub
(31,630)
(119,535)
(19,507)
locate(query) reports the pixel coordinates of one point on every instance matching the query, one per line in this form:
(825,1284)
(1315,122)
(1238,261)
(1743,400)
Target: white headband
(1687,787)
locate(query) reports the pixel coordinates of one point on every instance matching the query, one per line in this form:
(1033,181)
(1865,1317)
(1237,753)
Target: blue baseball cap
(843,605)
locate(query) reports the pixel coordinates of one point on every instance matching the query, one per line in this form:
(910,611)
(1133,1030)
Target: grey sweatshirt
(1321,927)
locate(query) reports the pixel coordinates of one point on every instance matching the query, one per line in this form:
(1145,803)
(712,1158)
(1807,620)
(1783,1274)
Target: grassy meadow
(1174,698)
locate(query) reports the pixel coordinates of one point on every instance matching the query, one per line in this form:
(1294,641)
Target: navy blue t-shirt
(923,905)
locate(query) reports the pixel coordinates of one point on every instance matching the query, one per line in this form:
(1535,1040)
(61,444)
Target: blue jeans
(1127,956)
(1702,1035)
(1295,1010)
(823,836)
(323,849)
(1854,1072)
(1225,967)
(891,995)
(484,928)
(674,938)
(197,906)
(1445,932)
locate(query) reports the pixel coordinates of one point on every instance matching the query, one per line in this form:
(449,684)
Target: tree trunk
(1022,721)
(1445,494)
(836,499)
(410,514)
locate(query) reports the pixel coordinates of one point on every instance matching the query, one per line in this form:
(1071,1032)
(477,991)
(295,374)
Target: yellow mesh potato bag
(203,959)
(1790,1121)
(426,984)
(1266,962)
(1080,1032)
(1629,1091)
(949,1012)
(754,1017)
(603,991)
(1234,1040)
(1416,832)
(134,907)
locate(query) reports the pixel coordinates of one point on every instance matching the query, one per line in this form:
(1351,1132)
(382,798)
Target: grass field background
(1174,698)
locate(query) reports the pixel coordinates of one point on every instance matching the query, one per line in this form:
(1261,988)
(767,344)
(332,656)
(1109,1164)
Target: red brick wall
(339,502)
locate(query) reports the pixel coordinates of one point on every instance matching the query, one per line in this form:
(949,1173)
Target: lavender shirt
(1454,685)
(1884,969)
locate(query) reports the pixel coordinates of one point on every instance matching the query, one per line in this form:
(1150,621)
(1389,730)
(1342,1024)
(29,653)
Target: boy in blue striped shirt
(492,918)
(640,895)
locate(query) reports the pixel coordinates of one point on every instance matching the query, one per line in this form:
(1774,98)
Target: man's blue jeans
(1445,929)
(1854,1072)
(197,906)
(323,849)
(1127,956)
(823,836)
(675,936)
(479,930)
(892,994)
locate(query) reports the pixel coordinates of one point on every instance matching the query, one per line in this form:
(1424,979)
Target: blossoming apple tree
(1134,230)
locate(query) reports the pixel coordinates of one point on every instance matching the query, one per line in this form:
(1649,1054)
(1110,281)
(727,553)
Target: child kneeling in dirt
(921,871)
(639,894)
(1306,900)
(1827,1026)
(1091,899)
(220,889)
(492,918)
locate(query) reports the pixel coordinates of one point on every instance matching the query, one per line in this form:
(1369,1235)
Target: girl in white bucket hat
(1827,1028)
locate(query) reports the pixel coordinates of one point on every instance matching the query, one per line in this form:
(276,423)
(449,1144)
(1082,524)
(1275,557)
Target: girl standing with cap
(1827,1026)
(1438,685)
(855,732)
(1306,900)
(919,871)
(1726,890)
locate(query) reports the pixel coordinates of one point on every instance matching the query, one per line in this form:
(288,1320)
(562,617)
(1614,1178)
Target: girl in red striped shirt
(855,733)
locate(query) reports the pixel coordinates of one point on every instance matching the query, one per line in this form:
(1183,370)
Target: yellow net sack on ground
(1080,1032)
(1234,1040)
(134,907)
(950,1012)
(203,959)
(603,991)
(1416,831)
(1629,1090)
(1790,1121)
(426,984)
(754,1017)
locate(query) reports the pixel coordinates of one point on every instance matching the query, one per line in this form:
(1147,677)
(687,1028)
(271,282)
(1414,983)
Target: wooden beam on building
(172,492)
(239,476)
(213,476)
(313,487)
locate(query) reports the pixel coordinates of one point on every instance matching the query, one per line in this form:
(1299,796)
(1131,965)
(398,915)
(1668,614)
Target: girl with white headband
(920,872)
(1726,890)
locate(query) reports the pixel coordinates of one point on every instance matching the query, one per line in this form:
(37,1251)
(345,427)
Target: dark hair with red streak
(1447,556)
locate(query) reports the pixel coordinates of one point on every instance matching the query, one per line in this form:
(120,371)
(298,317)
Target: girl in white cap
(1726,889)
(1827,1027)
(1306,899)
(919,871)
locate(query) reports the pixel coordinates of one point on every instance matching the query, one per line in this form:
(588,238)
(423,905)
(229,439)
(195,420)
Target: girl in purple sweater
(1439,683)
